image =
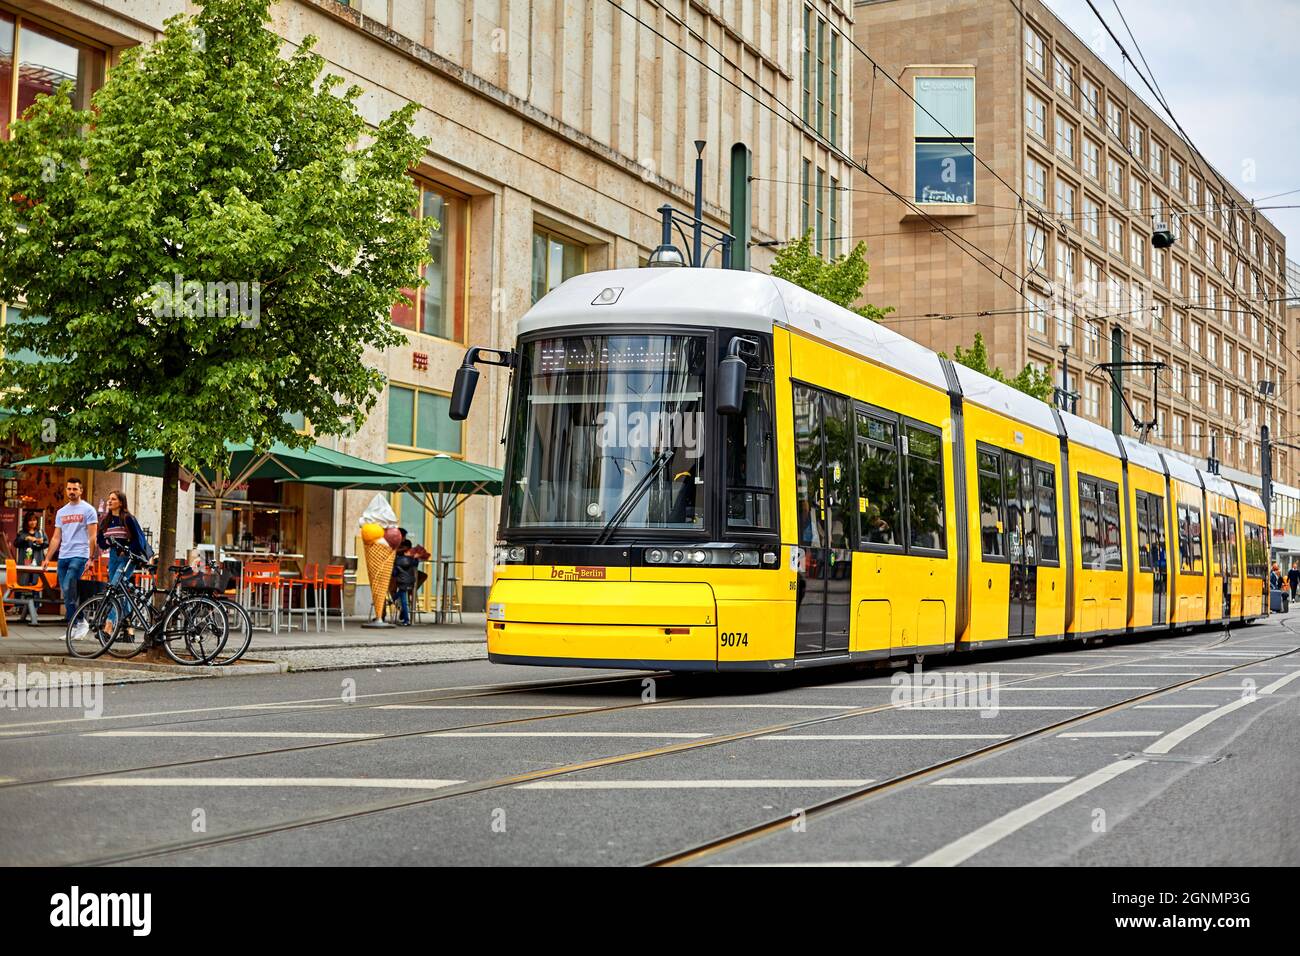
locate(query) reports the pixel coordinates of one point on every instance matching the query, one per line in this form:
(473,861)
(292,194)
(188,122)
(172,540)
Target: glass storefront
(46,60)
(262,516)
(439,307)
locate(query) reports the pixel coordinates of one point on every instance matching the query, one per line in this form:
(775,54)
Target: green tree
(1030,380)
(209,164)
(840,280)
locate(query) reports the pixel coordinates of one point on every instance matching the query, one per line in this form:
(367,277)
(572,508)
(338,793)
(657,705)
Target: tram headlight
(503,554)
(711,557)
(655,556)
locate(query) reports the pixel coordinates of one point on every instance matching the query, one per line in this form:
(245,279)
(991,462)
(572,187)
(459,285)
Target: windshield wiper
(638,490)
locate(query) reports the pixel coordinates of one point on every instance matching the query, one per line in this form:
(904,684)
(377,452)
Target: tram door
(1022,541)
(1159,563)
(824,445)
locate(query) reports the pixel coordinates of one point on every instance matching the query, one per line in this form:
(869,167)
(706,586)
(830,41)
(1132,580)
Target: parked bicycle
(191,627)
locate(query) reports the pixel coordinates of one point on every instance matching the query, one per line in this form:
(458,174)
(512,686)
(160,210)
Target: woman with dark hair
(31,541)
(120,525)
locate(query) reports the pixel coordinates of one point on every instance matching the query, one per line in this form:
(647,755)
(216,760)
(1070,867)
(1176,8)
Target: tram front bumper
(657,625)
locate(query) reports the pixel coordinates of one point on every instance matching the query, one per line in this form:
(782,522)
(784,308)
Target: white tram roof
(1249,496)
(1219,485)
(1182,470)
(1089,434)
(728,298)
(1143,455)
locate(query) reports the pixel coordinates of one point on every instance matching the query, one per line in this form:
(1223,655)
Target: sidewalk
(334,649)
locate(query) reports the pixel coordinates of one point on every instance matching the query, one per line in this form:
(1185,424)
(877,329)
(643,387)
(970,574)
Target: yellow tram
(717,470)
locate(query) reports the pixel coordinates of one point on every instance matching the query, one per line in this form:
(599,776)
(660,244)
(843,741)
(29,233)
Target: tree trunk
(170,510)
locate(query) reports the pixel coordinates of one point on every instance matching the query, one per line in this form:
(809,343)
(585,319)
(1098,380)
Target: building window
(439,307)
(1036,180)
(555,259)
(1092,280)
(1115,119)
(1089,97)
(805,198)
(1114,177)
(945,139)
(1157,160)
(1194,389)
(1115,234)
(1091,159)
(1034,50)
(822,52)
(1135,140)
(1035,115)
(46,60)
(1092,399)
(1064,137)
(820,199)
(1135,194)
(1037,313)
(1035,248)
(1176,177)
(833,200)
(1091,217)
(417,420)
(1137,250)
(1064,199)
(1064,75)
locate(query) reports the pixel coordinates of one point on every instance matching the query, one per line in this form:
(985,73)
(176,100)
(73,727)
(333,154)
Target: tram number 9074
(735,639)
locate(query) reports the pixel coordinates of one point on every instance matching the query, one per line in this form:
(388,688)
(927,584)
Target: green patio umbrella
(441,484)
(241,463)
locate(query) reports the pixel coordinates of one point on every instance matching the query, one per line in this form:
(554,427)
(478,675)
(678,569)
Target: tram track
(480,786)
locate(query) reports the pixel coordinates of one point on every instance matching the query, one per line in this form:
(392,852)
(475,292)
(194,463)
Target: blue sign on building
(945,172)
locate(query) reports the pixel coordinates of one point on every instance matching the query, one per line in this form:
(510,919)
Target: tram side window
(879,513)
(1089,524)
(1192,537)
(1144,532)
(1156,520)
(1216,543)
(923,456)
(991,514)
(1048,548)
(751,479)
(1111,540)
(1256,551)
(1230,542)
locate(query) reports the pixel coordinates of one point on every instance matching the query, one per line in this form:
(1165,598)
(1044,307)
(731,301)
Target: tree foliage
(841,280)
(208,160)
(1030,380)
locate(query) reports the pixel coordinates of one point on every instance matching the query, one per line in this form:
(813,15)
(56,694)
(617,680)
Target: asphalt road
(1138,752)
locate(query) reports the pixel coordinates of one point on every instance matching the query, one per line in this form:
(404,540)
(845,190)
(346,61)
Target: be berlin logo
(77,909)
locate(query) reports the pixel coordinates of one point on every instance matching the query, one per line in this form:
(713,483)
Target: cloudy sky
(1227,70)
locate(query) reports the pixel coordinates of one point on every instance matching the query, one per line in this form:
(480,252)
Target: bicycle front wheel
(194,631)
(90,632)
(240,636)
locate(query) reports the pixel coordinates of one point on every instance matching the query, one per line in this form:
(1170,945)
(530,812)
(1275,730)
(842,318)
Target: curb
(309,668)
(176,670)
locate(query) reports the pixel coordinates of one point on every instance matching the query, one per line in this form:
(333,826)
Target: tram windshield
(603,419)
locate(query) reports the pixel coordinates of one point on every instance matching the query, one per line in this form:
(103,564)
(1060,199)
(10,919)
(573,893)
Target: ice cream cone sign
(376,520)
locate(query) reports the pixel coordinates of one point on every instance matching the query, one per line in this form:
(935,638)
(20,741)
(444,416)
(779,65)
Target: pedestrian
(31,541)
(404,569)
(120,525)
(1275,578)
(1293,577)
(75,541)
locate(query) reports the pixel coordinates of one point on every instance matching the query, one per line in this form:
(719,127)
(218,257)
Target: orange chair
(332,578)
(262,587)
(33,591)
(306,584)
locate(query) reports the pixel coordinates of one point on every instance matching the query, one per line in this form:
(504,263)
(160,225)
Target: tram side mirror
(462,393)
(731,384)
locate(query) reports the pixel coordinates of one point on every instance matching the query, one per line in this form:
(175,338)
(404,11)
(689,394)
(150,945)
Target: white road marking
(1172,706)
(268,734)
(388,783)
(1109,687)
(563,734)
(994,781)
(1279,684)
(984,837)
(1083,734)
(822,863)
(486,707)
(886,737)
(686,784)
(751,706)
(1172,739)
(941,706)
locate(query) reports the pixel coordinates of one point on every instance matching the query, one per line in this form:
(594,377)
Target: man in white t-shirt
(75,538)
